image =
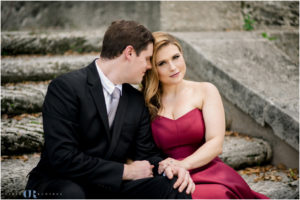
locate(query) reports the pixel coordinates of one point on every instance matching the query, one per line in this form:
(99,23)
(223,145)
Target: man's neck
(111,69)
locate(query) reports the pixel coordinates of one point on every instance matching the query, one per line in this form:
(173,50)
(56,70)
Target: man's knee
(166,187)
(64,189)
(174,193)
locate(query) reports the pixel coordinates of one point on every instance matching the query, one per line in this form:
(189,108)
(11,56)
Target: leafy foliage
(248,23)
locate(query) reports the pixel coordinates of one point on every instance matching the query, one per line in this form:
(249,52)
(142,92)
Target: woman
(188,124)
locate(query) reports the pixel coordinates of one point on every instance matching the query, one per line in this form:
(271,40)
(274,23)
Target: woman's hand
(171,162)
(171,167)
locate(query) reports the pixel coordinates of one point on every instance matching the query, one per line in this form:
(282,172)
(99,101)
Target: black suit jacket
(78,143)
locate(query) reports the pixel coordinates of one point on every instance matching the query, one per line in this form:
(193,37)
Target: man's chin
(135,82)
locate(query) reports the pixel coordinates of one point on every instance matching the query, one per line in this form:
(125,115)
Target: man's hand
(137,170)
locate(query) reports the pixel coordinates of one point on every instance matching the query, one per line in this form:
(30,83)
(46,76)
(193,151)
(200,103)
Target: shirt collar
(106,83)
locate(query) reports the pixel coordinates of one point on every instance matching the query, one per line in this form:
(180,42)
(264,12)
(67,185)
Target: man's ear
(128,52)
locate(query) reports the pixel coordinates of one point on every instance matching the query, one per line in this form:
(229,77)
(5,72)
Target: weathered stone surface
(250,72)
(288,42)
(240,122)
(272,14)
(21,136)
(23,98)
(287,188)
(40,68)
(76,15)
(201,16)
(160,15)
(14,43)
(13,176)
(244,151)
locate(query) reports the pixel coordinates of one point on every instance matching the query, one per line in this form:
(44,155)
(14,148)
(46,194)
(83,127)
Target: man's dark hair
(122,33)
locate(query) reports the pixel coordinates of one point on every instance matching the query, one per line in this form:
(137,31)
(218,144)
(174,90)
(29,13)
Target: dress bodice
(181,137)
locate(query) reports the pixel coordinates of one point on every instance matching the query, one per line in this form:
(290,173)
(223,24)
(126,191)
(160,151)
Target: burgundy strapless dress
(180,138)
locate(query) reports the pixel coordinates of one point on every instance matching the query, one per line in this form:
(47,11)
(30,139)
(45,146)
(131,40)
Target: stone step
(25,42)
(22,134)
(40,68)
(226,59)
(25,134)
(14,172)
(14,175)
(274,182)
(251,73)
(241,151)
(23,97)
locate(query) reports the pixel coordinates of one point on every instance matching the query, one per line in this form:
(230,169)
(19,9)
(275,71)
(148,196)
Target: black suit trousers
(159,187)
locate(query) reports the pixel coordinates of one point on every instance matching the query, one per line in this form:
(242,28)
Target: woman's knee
(213,191)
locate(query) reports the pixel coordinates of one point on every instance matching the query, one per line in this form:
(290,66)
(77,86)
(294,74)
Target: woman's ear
(128,52)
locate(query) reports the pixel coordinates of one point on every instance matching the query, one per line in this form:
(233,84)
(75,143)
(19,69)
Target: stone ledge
(14,43)
(286,188)
(14,176)
(239,152)
(228,59)
(21,136)
(23,98)
(40,68)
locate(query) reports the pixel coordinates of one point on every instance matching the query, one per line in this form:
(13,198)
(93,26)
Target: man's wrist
(126,173)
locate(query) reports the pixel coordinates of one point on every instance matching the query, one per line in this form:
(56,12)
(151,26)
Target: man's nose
(148,66)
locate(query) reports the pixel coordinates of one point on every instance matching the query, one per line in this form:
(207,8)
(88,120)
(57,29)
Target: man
(94,121)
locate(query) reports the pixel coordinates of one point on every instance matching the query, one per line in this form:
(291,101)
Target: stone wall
(272,14)
(201,16)
(76,15)
(156,15)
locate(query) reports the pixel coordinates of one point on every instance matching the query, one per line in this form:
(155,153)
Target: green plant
(291,172)
(248,23)
(265,35)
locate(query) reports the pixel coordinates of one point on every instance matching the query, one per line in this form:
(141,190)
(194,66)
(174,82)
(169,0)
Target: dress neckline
(187,113)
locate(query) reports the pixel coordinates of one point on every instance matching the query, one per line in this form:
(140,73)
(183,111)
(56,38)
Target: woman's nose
(172,66)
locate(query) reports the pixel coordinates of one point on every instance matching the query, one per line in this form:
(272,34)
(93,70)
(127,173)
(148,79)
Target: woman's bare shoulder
(202,87)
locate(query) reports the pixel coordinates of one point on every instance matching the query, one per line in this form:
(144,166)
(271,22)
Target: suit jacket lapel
(118,121)
(98,96)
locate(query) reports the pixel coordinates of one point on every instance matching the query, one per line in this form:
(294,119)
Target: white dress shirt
(108,87)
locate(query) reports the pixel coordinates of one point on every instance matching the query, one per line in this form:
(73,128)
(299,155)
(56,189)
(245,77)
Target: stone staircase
(24,84)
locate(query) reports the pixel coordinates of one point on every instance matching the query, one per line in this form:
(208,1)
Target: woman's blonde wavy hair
(151,86)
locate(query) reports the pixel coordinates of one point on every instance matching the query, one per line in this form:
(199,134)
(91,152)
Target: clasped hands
(170,167)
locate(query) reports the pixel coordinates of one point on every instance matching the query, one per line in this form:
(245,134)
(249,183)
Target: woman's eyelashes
(161,63)
(164,62)
(175,57)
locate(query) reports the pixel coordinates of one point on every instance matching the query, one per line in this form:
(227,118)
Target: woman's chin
(173,81)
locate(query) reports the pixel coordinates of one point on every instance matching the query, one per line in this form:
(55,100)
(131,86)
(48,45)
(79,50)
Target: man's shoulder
(75,77)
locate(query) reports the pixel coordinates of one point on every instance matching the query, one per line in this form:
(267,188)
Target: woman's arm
(214,118)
